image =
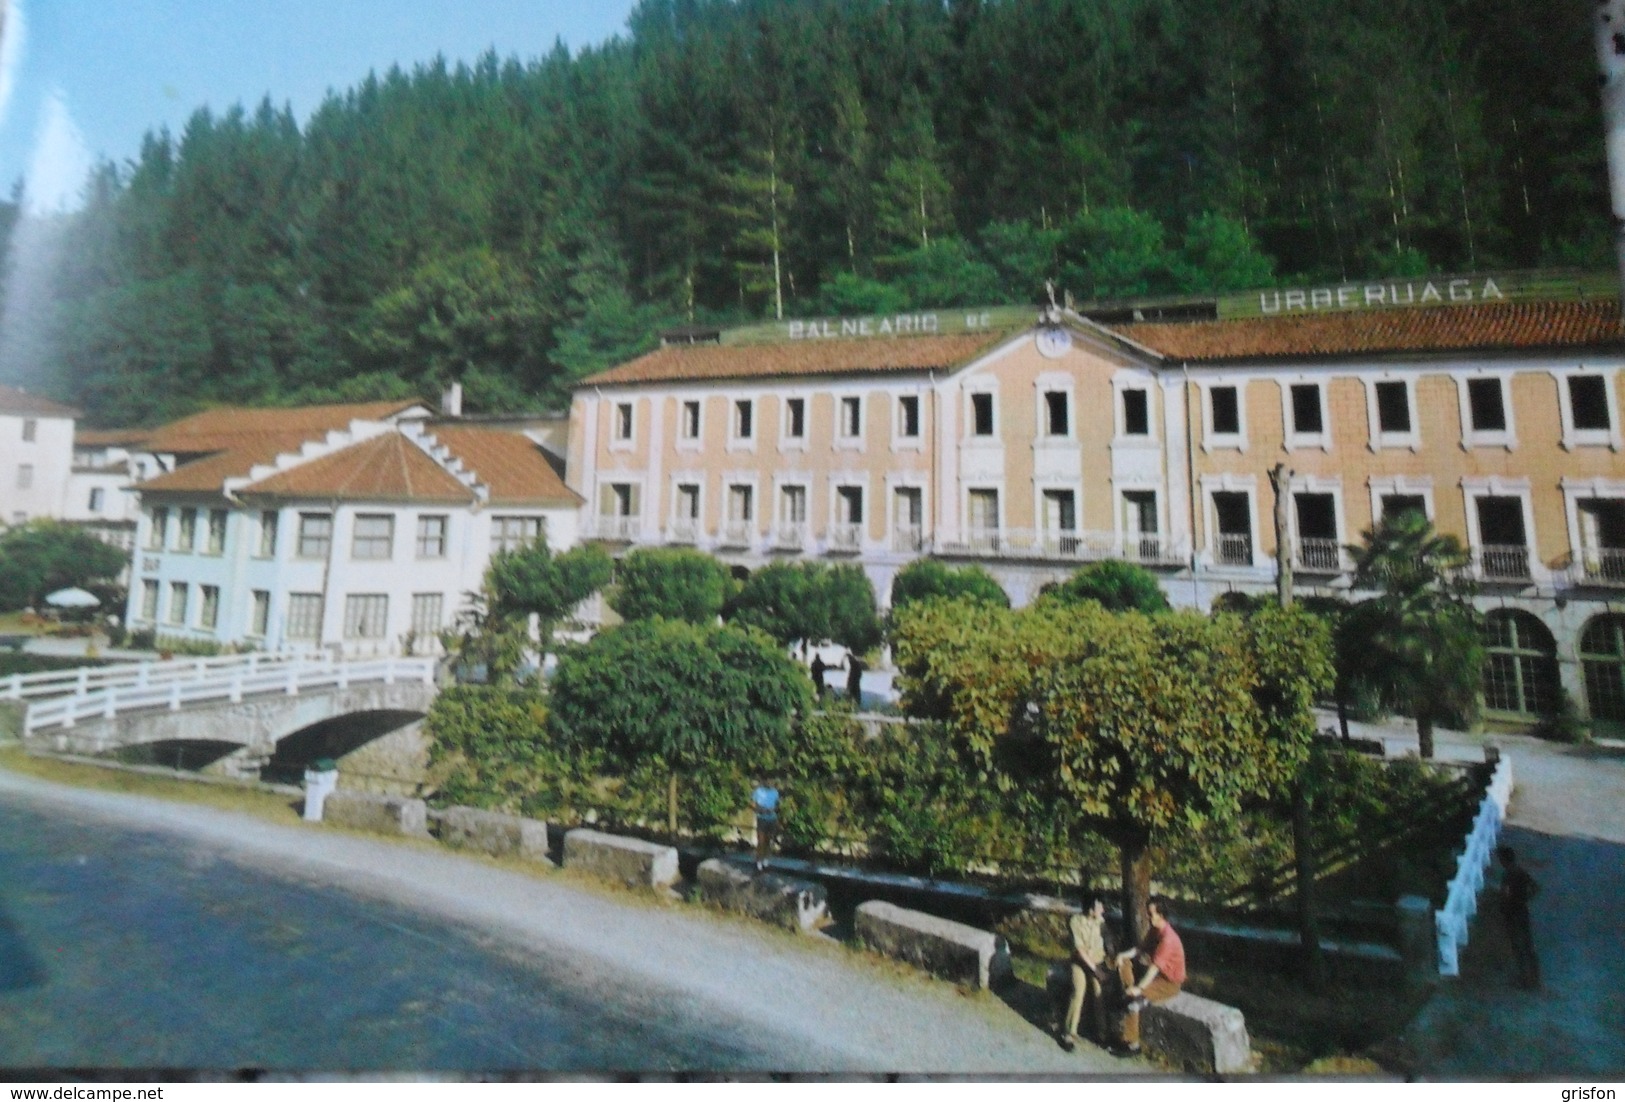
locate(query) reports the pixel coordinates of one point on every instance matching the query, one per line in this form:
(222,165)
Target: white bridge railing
(89,679)
(229,680)
(1461,899)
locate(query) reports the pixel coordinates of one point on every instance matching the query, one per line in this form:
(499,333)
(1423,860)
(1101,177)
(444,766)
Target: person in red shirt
(1163,957)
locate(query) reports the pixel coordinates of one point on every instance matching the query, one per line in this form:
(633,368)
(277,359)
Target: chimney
(451,400)
(1611,61)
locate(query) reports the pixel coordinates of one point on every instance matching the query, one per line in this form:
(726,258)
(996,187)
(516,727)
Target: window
(304,616)
(427,615)
(740,502)
(623,420)
(1602,658)
(95,503)
(983,514)
(795,418)
(186,538)
(1233,517)
(1503,550)
(1306,417)
(1395,504)
(365,615)
(849,505)
(178,593)
(149,599)
(209,614)
(1393,407)
(1057,419)
(259,617)
(431,538)
(851,418)
(688,501)
(215,539)
(30,430)
(689,423)
(1602,538)
(908,416)
(25,476)
(1136,413)
(1061,521)
(512,533)
(744,414)
(374,536)
(908,518)
(158,532)
(981,414)
(1140,529)
(1224,407)
(315,535)
(1588,403)
(1486,401)
(1520,664)
(267,534)
(1318,548)
(793,504)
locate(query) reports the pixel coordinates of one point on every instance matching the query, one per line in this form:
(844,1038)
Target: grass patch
(227,797)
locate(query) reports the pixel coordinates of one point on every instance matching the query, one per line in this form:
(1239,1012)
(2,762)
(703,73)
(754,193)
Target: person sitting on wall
(1163,957)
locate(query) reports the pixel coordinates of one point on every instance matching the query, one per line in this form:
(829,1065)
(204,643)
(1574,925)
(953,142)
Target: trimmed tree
(677,583)
(1115,586)
(44,556)
(930,580)
(679,695)
(1419,637)
(810,602)
(532,581)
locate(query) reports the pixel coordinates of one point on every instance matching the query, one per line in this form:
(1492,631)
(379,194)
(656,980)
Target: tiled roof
(218,429)
(509,463)
(1508,326)
(13,400)
(385,468)
(109,438)
(809,357)
(208,474)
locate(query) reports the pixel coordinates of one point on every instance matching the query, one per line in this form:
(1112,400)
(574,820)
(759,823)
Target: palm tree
(1421,633)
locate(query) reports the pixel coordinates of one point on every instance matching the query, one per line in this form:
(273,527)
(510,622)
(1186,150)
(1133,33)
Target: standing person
(818,669)
(1517,889)
(1088,972)
(854,680)
(1163,956)
(764,801)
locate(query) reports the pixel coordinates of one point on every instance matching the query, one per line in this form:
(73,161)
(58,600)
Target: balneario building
(1033,442)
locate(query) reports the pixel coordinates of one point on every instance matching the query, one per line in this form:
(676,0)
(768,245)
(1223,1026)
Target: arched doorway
(1602,658)
(1520,666)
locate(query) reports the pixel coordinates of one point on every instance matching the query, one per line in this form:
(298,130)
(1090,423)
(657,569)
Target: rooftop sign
(1438,290)
(913,323)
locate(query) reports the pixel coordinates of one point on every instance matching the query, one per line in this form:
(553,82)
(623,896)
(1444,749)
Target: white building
(360,528)
(36,454)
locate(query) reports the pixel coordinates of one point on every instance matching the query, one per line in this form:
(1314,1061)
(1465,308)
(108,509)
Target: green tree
(1115,586)
(681,696)
(1421,633)
(677,583)
(930,580)
(43,556)
(810,602)
(533,581)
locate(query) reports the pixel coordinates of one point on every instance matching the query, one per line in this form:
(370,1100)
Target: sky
(83,80)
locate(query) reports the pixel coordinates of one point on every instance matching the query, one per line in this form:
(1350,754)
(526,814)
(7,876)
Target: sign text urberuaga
(1393,292)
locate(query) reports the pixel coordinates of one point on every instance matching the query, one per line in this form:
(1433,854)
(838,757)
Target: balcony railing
(845,538)
(1601,566)
(1503,563)
(684,530)
(1064,545)
(1319,555)
(618,529)
(1233,549)
(737,533)
(909,538)
(790,536)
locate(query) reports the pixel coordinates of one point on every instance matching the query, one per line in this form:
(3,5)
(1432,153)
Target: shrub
(1115,586)
(677,583)
(929,579)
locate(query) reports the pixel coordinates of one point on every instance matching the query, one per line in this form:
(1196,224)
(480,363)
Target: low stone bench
(629,861)
(942,947)
(377,814)
(793,904)
(495,833)
(1198,1034)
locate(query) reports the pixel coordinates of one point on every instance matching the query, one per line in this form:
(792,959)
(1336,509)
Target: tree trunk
(671,806)
(1343,715)
(1424,733)
(1303,849)
(1136,857)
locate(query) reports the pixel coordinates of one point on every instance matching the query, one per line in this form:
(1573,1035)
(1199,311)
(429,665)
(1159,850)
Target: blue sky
(86,78)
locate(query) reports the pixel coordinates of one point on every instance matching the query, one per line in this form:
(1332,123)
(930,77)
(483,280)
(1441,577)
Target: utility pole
(1610,30)
(1303,846)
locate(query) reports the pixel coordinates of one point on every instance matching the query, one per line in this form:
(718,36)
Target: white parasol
(72,597)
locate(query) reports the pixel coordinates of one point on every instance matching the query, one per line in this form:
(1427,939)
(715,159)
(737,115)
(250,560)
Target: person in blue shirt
(765,802)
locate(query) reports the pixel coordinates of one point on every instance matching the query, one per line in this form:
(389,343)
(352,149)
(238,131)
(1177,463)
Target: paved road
(1567,821)
(681,988)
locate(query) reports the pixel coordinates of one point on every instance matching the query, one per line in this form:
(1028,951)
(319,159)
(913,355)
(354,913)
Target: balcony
(615,529)
(908,538)
(790,536)
(845,539)
(737,534)
(685,530)
(1503,563)
(1233,549)
(1061,545)
(1317,555)
(1600,566)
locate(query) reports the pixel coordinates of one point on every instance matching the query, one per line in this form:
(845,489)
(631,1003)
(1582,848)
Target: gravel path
(845,1013)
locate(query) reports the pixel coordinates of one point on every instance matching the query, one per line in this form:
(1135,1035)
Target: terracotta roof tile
(386,468)
(219,429)
(13,400)
(208,474)
(811,357)
(108,438)
(510,464)
(1496,326)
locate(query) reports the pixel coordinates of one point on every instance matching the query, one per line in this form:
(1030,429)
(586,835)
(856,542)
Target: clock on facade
(1053,341)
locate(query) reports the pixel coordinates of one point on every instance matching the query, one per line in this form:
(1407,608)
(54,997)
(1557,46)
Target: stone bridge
(252,717)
